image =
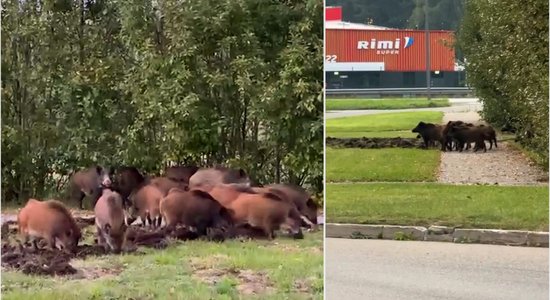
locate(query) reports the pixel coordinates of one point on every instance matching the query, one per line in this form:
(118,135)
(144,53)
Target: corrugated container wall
(405,53)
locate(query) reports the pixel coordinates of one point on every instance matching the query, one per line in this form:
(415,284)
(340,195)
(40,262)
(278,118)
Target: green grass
(385,125)
(397,103)
(504,207)
(171,273)
(389,164)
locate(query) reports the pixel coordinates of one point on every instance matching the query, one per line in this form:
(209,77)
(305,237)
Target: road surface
(394,270)
(457,105)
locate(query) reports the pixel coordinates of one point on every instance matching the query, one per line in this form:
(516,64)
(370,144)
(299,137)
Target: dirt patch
(94,272)
(253,283)
(303,286)
(85,221)
(249,282)
(374,143)
(44,261)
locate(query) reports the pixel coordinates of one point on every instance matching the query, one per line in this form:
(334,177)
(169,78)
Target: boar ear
(98,169)
(107,228)
(242,173)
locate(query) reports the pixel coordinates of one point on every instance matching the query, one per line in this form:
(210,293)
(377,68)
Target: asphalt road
(393,270)
(457,105)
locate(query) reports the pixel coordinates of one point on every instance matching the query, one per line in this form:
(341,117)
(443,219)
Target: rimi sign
(385,47)
(387,50)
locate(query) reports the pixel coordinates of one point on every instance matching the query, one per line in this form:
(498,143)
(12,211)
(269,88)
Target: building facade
(365,56)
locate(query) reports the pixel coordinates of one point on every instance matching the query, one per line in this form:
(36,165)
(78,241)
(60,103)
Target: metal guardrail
(451,91)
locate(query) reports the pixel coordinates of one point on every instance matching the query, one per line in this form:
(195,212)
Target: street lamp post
(427,30)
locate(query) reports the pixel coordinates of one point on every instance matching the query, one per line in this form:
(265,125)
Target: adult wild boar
(194,208)
(218,175)
(126,180)
(466,134)
(109,221)
(89,182)
(49,220)
(144,203)
(165,184)
(490,135)
(301,198)
(430,132)
(226,193)
(266,211)
(180,173)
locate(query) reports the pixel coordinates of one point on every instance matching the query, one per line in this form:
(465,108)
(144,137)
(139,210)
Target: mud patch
(85,221)
(93,272)
(253,283)
(44,261)
(37,262)
(374,143)
(303,286)
(158,239)
(249,282)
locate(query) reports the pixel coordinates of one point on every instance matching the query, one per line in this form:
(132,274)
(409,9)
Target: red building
(367,56)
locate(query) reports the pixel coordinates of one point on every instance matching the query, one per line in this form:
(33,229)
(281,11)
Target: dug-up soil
(47,262)
(374,143)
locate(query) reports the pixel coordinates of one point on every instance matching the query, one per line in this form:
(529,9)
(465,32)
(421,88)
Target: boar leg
(100,238)
(77,196)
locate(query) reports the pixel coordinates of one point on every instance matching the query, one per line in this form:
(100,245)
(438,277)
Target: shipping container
(388,50)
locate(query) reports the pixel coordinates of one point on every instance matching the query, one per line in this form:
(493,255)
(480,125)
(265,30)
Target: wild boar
(109,221)
(49,220)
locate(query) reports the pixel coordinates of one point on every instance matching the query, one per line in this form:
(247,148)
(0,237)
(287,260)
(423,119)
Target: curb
(438,234)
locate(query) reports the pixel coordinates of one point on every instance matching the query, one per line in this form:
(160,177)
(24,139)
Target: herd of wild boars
(202,199)
(457,135)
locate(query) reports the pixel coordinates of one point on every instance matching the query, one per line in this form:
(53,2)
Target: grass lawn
(389,164)
(394,103)
(499,207)
(281,269)
(386,125)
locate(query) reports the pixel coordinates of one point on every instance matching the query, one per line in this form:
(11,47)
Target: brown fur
(89,182)
(266,211)
(448,139)
(297,195)
(218,175)
(145,204)
(194,208)
(430,132)
(127,180)
(226,193)
(49,220)
(180,173)
(109,221)
(489,135)
(165,184)
(466,134)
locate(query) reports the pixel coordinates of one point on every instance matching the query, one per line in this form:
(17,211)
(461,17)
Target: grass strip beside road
(397,103)
(284,269)
(389,164)
(424,204)
(380,124)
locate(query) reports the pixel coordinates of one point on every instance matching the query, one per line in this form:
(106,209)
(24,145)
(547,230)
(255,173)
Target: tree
(153,83)
(505,44)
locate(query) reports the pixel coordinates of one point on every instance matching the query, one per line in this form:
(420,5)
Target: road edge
(438,234)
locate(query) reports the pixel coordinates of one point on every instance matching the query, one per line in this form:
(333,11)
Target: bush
(505,44)
(146,84)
